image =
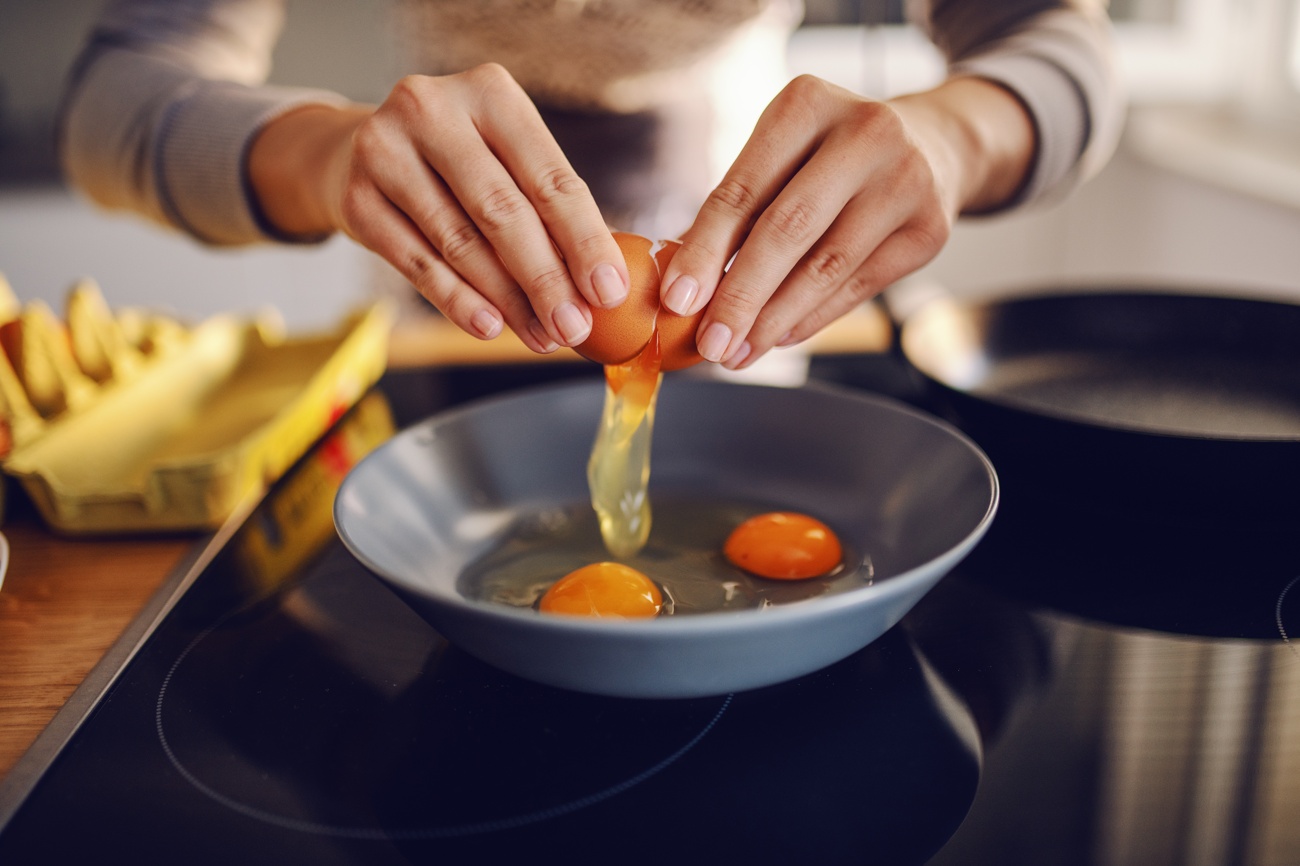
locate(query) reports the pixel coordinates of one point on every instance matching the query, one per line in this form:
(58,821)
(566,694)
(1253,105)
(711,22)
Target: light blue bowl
(906,488)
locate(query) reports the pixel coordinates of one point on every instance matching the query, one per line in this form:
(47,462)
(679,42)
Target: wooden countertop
(63,603)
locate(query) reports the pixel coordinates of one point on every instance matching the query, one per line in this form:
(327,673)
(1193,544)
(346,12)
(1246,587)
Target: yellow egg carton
(132,422)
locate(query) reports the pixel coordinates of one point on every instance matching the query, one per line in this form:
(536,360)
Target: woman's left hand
(833,198)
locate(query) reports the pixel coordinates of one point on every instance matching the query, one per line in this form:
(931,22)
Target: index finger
(562,200)
(529,202)
(752,200)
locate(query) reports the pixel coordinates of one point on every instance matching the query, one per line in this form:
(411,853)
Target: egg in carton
(50,367)
(135,422)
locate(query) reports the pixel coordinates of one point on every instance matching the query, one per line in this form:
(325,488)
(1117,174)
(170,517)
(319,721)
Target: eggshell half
(676,333)
(618,335)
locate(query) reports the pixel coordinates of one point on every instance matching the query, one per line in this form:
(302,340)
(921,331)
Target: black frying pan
(1132,399)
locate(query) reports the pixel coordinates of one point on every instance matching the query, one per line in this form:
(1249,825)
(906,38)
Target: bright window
(1293,62)
(1169,51)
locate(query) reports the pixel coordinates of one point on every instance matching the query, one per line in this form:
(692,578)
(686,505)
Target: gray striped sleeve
(163,105)
(1057,57)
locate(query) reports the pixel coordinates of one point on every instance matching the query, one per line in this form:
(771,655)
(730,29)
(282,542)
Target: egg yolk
(603,589)
(784,545)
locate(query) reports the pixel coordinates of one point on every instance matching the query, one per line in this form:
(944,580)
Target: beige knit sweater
(167,94)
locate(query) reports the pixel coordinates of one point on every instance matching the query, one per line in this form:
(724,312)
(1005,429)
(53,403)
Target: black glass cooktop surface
(1084,689)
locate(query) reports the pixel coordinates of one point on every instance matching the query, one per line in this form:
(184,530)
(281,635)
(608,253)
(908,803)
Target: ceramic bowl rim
(712,622)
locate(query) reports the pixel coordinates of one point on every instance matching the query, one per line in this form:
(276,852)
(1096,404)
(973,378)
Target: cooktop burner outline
(412,833)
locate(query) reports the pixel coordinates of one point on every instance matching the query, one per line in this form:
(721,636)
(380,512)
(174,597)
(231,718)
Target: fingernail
(571,324)
(544,341)
(487,325)
(715,341)
(681,294)
(738,358)
(608,285)
(787,339)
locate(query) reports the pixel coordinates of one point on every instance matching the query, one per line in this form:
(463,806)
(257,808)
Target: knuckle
(805,101)
(516,309)
(459,307)
(416,101)
(736,196)
(559,184)
(409,93)
(459,242)
(549,282)
(864,283)
(410,85)
(501,207)
(792,220)
(418,266)
(593,244)
(873,112)
(805,88)
(490,71)
(802,94)
(702,253)
(826,267)
(738,296)
(928,232)
(491,78)
(370,141)
(412,101)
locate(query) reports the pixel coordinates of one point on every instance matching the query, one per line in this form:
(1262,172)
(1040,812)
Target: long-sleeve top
(166,96)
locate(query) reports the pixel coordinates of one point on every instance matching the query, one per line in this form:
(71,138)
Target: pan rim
(1081,292)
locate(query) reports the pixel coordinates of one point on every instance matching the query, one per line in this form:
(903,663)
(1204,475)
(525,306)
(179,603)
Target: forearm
(164,99)
(1057,57)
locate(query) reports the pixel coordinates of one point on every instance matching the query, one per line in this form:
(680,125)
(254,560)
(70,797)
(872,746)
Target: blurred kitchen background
(1204,190)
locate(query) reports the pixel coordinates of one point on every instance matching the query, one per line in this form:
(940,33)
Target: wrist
(297,163)
(984,137)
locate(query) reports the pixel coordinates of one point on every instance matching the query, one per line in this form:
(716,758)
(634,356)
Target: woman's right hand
(456,182)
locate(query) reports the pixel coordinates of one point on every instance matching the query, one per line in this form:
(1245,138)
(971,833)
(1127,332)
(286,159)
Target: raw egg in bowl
(446,508)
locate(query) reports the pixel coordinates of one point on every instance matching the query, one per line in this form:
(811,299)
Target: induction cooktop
(1085,688)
